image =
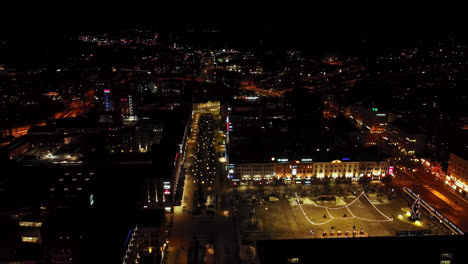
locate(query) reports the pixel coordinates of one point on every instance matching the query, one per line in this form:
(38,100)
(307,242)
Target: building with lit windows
(372,120)
(408,139)
(107,100)
(457,173)
(147,134)
(243,173)
(302,171)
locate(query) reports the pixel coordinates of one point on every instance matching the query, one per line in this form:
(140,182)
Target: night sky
(312,20)
(35,29)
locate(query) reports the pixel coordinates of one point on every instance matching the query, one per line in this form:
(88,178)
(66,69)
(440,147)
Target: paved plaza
(371,214)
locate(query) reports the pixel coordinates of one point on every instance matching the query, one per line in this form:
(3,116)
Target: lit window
(30,239)
(30,224)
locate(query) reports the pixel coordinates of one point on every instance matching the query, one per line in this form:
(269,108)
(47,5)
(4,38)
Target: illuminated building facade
(148,133)
(407,140)
(457,174)
(301,172)
(107,100)
(243,173)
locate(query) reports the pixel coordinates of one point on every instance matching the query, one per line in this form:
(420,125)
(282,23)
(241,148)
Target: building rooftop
(416,249)
(260,152)
(407,127)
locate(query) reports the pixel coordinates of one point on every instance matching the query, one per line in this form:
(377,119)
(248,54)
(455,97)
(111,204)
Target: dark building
(304,105)
(416,249)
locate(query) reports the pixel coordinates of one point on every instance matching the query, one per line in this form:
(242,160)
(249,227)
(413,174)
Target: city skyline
(189,133)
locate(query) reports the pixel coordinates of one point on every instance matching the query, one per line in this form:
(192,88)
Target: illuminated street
(436,193)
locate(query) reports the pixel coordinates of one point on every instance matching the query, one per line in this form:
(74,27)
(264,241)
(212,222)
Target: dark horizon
(322,21)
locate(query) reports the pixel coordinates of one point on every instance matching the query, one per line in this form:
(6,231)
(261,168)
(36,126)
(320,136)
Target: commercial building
(408,139)
(302,171)
(457,173)
(107,100)
(243,173)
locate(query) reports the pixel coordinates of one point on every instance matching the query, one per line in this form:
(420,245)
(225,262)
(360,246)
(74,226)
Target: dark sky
(296,20)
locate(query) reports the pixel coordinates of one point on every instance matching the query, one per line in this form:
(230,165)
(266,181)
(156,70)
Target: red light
(235,184)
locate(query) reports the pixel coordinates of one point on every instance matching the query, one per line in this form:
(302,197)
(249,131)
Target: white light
(388,219)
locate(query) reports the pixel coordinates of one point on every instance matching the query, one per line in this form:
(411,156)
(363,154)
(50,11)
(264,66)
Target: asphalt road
(436,193)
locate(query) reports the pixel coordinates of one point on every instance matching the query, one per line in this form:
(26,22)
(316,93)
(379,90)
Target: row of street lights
(339,233)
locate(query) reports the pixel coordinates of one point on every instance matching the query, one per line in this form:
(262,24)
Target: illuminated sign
(306,160)
(282,160)
(30,239)
(106,90)
(294,171)
(167,192)
(345,158)
(390,170)
(381,114)
(30,224)
(231,170)
(375,109)
(166,186)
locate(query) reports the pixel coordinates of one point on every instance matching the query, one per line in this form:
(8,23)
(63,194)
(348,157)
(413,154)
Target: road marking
(442,197)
